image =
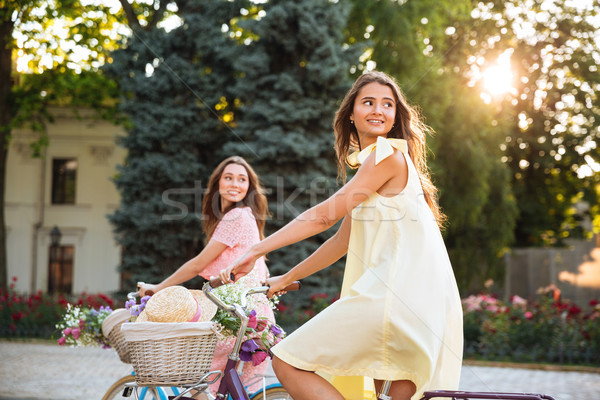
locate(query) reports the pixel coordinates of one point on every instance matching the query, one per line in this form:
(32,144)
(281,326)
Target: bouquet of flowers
(261,335)
(82,326)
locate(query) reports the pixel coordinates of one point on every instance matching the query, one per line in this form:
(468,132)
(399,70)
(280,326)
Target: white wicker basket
(170,354)
(111,329)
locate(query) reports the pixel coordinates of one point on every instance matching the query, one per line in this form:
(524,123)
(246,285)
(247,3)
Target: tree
(474,185)
(296,71)
(48,37)
(176,94)
(551,147)
(548,120)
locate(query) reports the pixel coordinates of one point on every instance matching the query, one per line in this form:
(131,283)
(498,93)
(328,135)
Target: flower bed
(547,330)
(35,316)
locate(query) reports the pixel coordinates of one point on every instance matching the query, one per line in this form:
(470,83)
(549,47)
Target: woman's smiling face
(374,111)
(233,185)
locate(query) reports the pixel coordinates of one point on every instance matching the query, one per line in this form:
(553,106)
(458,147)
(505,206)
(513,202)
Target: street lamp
(55,236)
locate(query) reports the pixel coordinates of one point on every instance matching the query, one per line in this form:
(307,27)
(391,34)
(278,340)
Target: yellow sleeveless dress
(399,316)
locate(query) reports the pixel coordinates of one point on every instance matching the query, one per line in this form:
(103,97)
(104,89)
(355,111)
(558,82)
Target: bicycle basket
(170,353)
(111,329)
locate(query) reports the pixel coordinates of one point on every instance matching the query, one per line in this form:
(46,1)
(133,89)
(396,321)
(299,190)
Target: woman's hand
(277,284)
(147,289)
(240,267)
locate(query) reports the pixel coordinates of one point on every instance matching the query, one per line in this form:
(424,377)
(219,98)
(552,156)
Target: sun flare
(498,77)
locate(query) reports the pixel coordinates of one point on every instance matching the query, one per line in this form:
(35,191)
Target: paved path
(42,371)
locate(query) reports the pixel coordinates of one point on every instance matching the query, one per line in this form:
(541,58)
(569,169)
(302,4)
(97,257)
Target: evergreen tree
(296,71)
(175,93)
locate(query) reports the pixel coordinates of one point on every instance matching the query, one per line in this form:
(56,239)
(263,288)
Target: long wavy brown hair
(408,125)
(255,198)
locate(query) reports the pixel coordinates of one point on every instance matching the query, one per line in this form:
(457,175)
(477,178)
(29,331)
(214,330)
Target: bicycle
(231,385)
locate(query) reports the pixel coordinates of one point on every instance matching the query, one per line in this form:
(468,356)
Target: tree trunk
(6,28)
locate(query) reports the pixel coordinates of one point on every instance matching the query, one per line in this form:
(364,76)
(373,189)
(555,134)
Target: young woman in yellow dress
(399,317)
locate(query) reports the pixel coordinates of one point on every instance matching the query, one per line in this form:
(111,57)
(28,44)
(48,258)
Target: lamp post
(55,236)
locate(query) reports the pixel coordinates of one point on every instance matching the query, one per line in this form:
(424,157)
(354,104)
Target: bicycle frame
(455,395)
(231,383)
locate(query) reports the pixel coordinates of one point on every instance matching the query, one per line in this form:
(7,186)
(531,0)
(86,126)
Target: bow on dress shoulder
(383,149)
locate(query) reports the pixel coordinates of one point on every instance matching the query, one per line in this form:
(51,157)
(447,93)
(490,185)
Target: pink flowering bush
(550,329)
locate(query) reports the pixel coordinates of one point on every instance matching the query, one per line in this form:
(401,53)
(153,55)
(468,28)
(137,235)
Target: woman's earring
(352,121)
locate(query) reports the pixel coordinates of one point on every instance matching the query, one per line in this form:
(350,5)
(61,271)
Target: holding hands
(240,267)
(243,265)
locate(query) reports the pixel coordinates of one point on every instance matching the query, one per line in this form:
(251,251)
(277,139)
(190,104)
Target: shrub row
(36,315)
(548,329)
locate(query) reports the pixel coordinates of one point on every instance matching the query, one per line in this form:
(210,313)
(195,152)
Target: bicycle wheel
(272,393)
(115,392)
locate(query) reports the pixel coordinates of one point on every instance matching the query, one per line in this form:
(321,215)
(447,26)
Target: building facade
(70,189)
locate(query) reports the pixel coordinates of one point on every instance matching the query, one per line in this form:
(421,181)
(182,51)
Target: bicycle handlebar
(216,282)
(208,286)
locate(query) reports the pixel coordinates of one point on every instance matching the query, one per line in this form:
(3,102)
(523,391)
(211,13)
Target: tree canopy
(50,52)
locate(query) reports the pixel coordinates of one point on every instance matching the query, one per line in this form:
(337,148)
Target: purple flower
(144,300)
(250,346)
(276,330)
(244,355)
(129,304)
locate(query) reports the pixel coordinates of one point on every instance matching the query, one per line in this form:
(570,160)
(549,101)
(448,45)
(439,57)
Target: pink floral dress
(238,230)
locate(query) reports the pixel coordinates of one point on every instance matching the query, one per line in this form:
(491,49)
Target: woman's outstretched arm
(328,253)
(368,179)
(190,269)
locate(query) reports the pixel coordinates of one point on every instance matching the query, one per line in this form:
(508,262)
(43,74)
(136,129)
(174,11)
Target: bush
(291,316)
(550,330)
(36,315)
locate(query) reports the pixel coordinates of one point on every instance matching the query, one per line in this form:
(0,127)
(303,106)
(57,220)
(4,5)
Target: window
(64,174)
(60,269)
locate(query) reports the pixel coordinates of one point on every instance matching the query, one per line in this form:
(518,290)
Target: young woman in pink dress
(235,210)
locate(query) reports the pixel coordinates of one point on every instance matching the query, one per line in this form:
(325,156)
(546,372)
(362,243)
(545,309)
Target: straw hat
(143,317)
(178,304)
(207,308)
(172,304)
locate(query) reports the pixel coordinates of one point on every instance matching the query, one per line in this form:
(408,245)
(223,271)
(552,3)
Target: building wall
(30,214)
(575,270)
